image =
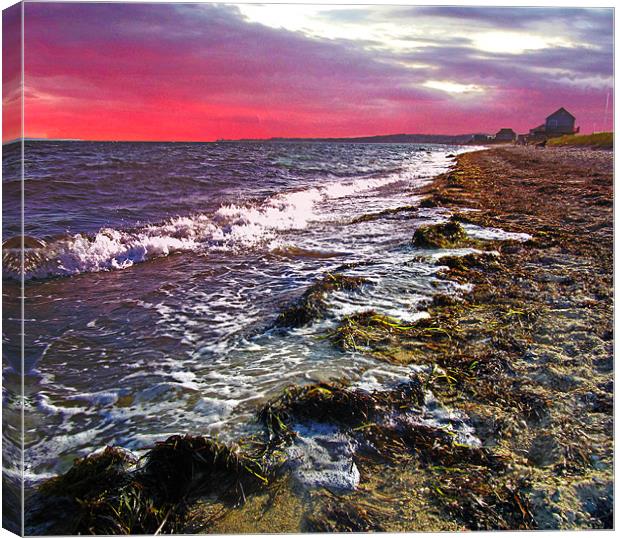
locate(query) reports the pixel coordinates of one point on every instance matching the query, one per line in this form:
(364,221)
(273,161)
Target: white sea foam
(322,456)
(494,234)
(232,227)
(213,410)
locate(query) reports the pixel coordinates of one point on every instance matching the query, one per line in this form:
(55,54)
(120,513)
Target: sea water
(150,307)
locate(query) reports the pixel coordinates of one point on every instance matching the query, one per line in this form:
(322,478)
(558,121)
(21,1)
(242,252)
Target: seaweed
(431,446)
(99,494)
(321,402)
(445,235)
(386,212)
(339,514)
(381,334)
(181,465)
(312,305)
(442,299)
(474,475)
(484,260)
(475,218)
(482,501)
(92,475)
(365,329)
(336,403)
(112,493)
(129,509)
(365,416)
(429,203)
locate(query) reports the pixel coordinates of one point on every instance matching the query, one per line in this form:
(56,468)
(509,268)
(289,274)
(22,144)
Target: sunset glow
(210,71)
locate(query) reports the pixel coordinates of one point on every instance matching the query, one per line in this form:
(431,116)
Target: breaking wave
(230,228)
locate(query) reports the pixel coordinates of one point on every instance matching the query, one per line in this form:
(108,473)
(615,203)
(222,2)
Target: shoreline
(555,295)
(492,354)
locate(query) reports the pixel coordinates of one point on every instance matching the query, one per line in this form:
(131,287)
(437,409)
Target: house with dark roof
(505,135)
(560,122)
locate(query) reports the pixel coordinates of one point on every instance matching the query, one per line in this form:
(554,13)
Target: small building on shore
(505,135)
(561,122)
(480,139)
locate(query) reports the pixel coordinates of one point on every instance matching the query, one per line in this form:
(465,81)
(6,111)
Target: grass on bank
(596,140)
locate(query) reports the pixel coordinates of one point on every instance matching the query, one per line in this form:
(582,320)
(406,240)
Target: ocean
(158,270)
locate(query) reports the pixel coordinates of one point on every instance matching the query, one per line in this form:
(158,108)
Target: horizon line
(272,138)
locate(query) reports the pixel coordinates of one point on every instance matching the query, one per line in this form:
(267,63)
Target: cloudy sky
(208,71)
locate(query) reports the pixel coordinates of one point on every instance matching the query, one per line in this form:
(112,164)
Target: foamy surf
(232,227)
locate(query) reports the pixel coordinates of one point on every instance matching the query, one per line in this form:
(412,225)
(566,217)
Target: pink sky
(203,72)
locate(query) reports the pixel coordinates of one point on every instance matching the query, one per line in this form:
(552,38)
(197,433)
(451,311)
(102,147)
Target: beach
(491,411)
(554,297)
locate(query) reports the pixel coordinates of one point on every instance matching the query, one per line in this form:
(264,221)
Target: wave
(232,227)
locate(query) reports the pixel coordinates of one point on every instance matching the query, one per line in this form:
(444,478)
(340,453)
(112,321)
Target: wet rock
(596,462)
(551,277)
(608,335)
(598,402)
(607,386)
(545,339)
(442,299)
(546,355)
(605,364)
(545,510)
(446,235)
(557,519)
(511,248)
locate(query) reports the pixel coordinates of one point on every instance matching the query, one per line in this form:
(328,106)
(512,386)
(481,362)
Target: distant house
(480,138)
(560,122)
(537,131)
(505,135)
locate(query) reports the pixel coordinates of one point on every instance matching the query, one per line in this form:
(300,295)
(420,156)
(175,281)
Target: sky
(210,71)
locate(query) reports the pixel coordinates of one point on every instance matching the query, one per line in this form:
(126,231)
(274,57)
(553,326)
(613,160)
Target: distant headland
(376,139)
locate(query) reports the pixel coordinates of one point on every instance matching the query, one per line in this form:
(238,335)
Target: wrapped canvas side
(12,267)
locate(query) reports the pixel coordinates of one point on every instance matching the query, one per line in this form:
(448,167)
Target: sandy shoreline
(558,343)
(526,355)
